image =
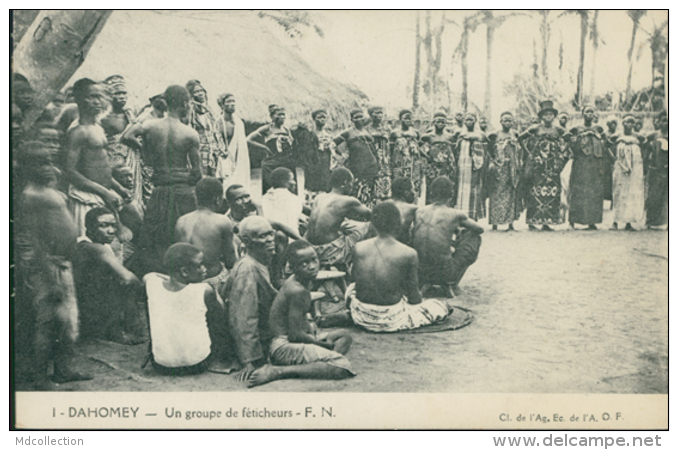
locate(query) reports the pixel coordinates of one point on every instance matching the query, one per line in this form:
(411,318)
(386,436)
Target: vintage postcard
(288,219)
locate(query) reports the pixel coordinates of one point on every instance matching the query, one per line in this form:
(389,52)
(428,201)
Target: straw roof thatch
(228,51)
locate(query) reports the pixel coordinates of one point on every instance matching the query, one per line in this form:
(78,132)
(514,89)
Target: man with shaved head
(250,294)
(168,146)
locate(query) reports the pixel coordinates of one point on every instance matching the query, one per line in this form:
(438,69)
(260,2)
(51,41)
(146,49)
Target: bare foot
(546,228)
(263,375)
(127,339)
(44,384)
(66,375)
(533,228)
(223,367)
(592,227)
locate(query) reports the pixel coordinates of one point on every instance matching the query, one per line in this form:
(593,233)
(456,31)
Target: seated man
(434,227)
(331,236)
(298,350)
(107,291)
(385,296)
(211,232)
(241,206)
(185,317)
(280,204)
(250,294)
(403,198)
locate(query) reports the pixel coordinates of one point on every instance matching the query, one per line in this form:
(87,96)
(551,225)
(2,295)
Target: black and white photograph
(223,206)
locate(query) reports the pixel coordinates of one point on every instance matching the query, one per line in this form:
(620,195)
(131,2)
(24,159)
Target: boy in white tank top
(186,318)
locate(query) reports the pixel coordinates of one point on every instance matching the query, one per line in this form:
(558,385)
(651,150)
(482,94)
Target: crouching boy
(298,350)
(187,321)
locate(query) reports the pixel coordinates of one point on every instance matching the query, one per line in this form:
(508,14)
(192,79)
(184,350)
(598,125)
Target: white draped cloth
(234,166)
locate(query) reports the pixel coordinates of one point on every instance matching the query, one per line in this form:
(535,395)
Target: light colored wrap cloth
(399,317)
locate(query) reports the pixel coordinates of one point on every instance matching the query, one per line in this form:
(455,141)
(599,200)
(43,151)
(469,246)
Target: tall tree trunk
(464,68)
(595,39)
(437,60)
(428,42)
(417,67)
(545,30)
(582,56)
(488,71)
(659,48)
(52,49)
(630,57)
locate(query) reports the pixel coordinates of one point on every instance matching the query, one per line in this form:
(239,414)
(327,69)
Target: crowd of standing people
(180,212)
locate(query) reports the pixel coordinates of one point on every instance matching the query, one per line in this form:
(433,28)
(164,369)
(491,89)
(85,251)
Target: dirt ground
(561,312)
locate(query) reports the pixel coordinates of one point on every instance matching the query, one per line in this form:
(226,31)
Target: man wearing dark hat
(438,144)
(543,168)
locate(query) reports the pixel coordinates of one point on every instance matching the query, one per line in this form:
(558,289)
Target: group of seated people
(235,293)
(223,289)
(252,317)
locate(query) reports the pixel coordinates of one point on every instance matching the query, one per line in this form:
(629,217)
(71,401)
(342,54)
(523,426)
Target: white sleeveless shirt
(178,322)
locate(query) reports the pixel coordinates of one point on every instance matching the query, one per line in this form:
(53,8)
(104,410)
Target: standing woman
(406,157)
(275,140)
(472,163)
(361,161)
(542,170)
(379,132)
(504,172)
(587,180)
(233,165)
(438,145)
(610,144)
(657,203)
(628,194)
(202,120)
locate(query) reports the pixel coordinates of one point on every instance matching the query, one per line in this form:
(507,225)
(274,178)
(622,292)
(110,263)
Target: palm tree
(491,22)
(584,29)
(417,66)
(596,40)
(635,15)
(468,26)
(660,48)
(545,33)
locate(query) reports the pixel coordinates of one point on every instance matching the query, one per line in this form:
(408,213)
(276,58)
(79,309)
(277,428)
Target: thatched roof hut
(228,51)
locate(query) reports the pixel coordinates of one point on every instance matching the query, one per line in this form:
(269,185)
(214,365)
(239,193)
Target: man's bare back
(213,234)
(434,228)
(329,212)
(167,144)
(385,270)
(407,213)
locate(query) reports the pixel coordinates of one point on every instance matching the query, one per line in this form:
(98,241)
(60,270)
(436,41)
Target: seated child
(298,350)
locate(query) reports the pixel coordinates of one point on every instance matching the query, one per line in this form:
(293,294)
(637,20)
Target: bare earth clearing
(562,312)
